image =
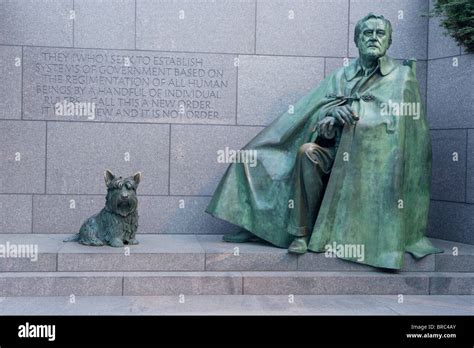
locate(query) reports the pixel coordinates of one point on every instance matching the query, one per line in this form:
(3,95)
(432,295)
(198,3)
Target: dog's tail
(73,238)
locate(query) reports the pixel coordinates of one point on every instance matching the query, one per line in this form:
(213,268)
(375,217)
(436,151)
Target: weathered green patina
(377,192)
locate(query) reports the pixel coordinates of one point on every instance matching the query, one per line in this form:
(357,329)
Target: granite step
(241,305)
(233,283)
(179,252)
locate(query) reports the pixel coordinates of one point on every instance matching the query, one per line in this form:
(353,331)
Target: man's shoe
(299,245)
(240,237)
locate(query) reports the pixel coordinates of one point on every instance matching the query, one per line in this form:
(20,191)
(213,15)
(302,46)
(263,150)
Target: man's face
(373,39)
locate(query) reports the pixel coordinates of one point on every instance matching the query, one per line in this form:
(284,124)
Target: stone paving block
(79,153)
(450,263)
(60,284)
(319,262)
(104,24)
(154,253)
(316,283)
(22,160)
(302,28)
(322,305)
(452,284)
(64,213)
(10,88)
(182,283)
(269,85)
(179,215)
(222,256)
(333,64)
(15,213)
(451,221)
(195,169)
(226,26)
(40,23)
(449,92)
(448,180)
(427,305)
(240,305)
(470,167)
(457,257)
(29,253)
(43,263)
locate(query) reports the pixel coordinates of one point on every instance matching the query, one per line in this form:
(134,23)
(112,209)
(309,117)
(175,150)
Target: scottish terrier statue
(116,224)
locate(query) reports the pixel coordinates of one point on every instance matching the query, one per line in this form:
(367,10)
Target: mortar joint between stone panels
(32,213)
(446,201)
(427,61)
(427,41)
(169,161)
(255,31)
(348,25)
(73,26)
(237,91)
(46,159)
(144,123)
(135,25)
(465,170)
(22,73)
(183,52)
(438,58)
(426,88)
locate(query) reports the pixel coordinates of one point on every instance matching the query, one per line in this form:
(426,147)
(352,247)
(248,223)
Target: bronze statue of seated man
(345,169)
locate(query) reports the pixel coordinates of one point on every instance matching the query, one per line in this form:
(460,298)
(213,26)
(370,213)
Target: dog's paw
(93,242)
(132,242)
(117,243)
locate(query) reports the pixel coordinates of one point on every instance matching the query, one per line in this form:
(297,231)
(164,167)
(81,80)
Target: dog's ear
(108,176)
(137,177)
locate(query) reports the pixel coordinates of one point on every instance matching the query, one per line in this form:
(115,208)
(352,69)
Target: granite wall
(174,81)
(450,111)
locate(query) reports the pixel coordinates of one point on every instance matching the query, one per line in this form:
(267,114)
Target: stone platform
(241,305)
(173,265)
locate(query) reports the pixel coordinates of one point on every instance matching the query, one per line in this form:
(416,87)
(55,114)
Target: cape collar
(386,66)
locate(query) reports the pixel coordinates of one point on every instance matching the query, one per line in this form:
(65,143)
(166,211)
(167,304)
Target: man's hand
(326,127)
(344,114)
(338,116)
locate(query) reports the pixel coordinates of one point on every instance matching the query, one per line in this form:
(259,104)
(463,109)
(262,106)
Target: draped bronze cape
(378,191)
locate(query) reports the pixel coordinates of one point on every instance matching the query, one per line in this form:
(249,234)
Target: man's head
(373,35)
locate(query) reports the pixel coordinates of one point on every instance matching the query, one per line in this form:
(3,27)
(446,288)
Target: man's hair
(369,16)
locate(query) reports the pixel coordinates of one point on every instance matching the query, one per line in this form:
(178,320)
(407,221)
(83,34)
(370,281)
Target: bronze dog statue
(116,224)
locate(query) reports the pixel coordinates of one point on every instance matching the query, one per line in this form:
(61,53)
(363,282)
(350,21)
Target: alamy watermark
(345,251)
(65,108)
(401,109)
(228,155)
(27,251)
(28,330)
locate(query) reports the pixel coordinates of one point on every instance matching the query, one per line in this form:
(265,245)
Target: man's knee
(317,154)
(307,148)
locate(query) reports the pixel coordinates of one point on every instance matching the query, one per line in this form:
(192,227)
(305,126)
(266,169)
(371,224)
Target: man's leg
(313,165)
